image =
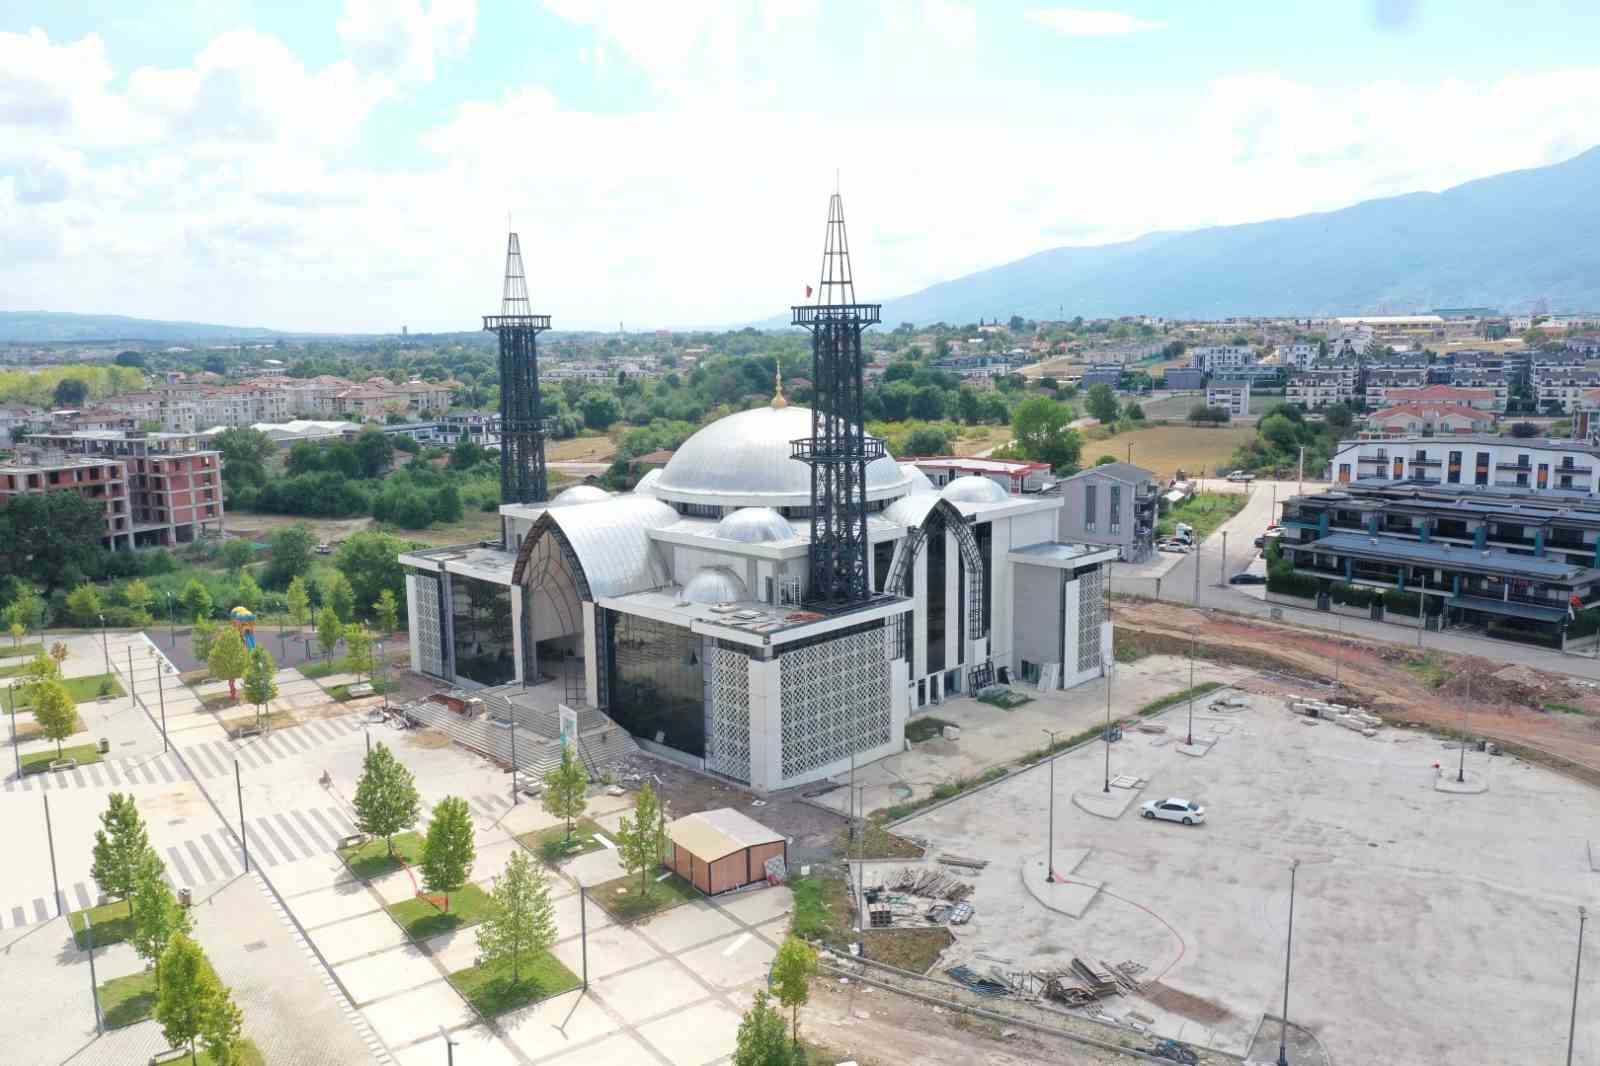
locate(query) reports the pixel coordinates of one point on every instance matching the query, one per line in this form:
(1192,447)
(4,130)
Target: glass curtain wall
(481,618)
(657,688)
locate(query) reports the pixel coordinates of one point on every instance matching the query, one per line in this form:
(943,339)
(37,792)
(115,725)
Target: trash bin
(185,897)
(104,745)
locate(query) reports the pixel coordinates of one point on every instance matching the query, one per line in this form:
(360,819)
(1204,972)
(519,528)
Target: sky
(352,165)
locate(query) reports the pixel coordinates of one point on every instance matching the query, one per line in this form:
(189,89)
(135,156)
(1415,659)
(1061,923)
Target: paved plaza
(323,973)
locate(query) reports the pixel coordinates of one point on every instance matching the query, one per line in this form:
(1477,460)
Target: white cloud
(404,40)
(1079,22)
(688,51)
(952,22)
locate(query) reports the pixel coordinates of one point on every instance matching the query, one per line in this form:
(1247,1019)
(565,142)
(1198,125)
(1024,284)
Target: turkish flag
(808,292)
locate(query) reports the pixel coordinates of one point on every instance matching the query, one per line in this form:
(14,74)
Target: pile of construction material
(918,897)
(1352,718)
(929,884)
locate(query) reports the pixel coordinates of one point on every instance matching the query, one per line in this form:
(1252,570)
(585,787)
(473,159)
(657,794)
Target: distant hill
(1506,241)
(58,327)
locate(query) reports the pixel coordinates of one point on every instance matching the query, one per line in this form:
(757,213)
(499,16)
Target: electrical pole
(1577,968)
(1288,949)
(1050,851)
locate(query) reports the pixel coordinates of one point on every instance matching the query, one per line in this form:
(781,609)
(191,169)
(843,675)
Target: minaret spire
(522,429)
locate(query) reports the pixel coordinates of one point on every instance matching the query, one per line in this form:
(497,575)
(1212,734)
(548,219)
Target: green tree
(448,851)
(1133,412)
(292,547)
(374,451)
(52,535)
(71,392)
(138,596)
(247,593)
(260,681)
(358,650)
(371,563)
(599,410)
(196,600)
(222,1028)
(236,554)
(386,796)
(83,605)
(522,922)
(640,837)
(54,710)
(329,630)
(386,613)
(566,789)
(202,638)
(792,970)
(246,454)
(27,608)
(298,601)
(119,844)
(187,985)
(1101,402)
(763,1039)
(1042,431)
(927,440)
(157,917)
(338,594)
(17,631)
(228,659)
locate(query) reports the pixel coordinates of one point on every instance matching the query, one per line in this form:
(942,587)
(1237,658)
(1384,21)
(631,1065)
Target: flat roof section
(716,834)
(1491,560)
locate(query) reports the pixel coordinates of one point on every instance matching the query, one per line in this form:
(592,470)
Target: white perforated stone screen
(836,699)
(1091,612)
(728,739)
(424,592)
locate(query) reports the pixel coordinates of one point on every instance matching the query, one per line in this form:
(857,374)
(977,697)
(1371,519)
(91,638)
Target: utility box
(104,746)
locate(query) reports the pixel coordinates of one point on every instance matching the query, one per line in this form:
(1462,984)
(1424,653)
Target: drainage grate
(256,945)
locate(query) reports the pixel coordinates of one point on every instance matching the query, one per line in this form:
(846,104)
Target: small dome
(752,525)
(645,483)
(919,480)
(715,584)
(911,510)
(974,489)
(580,494)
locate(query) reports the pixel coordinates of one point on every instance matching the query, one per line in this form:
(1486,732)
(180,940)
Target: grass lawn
(323,667)
(940,793)
(81,689)
(125,1000)
(1181,696)
(342,692)
(372,859)
(491,990)
(218,701)
(274,720)
(1205,512)
(39,762)
(878,843)
(22,650)
(421,919)
(552,844)
(251,1056)
(113,924)
(925,727)
(914,950)
(822,908)
(622,900)
(1164,450)
(28,728)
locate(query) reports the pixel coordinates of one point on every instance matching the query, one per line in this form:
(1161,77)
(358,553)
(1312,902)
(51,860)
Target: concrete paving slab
(1444,780)
(396,970)
(619,1050)
(559,1025)
(758,905)
(356,937)
(566,913)
(332,904)
(412,1015)
(527,817)
(730,962)
(306,875)
(455,950)
(1070,897)
(594,868)
(691,1036)
(1105,805)
(648,991)
(688,925)
(476,1046)
(1198,750)
(610,949)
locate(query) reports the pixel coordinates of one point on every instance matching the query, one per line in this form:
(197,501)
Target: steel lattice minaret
(838,449)
(522,429)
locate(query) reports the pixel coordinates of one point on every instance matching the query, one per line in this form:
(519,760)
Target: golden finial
(777,387)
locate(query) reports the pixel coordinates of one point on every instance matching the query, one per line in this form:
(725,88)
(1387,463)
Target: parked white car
(1173,809)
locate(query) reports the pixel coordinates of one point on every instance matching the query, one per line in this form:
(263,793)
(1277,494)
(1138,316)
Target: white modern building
(1232,396)
(679,609)
(1471,459)
(1212,358)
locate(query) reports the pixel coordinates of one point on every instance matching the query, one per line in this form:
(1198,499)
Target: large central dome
(744,460)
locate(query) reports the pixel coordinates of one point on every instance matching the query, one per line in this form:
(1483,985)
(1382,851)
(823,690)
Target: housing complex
(102,481)
(173,481)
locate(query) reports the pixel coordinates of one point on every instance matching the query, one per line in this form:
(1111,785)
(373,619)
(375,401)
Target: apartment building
(1232,396)
(1116,504)
(1471,460)
(1300,354)
(1485,399)
(174,481)
(1381,381)
(1213,358)
(1430,419)
(1557,393)
(1312,389)
(102,481)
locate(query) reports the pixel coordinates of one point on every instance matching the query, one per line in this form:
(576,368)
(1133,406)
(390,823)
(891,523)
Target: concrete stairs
(601,741)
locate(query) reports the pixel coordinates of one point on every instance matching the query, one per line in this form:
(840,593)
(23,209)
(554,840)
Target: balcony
(1521,467)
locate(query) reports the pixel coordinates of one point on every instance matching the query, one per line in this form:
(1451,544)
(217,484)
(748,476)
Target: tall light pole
(94,984)
(105,644)
(1288,949)
(1107,788)
(1222,566)
(244,843)
(1050,851)
(1302,472)
(449,1048)
(133,689)
(172,620)
(16,747)
(161,691)
(1577,967)
(1193,636)
(1461,766)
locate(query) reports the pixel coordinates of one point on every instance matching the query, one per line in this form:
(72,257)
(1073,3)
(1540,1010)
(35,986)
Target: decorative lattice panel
(835,700)
(728,740)
(424,592)
(1091,612)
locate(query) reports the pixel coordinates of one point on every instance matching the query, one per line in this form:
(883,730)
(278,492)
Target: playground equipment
(244,620)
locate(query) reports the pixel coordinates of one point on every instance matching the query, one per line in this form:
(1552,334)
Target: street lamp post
(133,689)
(16,747)
(105,644)
(1193,636)
(1288,948)
(161,692)
(50,838)
(1050,851)
(449,1048)
(379,664)
(1461,765)
(244,843)
(172,620)
(1107,788)
(94,983)
(1577,967)
(1222,566)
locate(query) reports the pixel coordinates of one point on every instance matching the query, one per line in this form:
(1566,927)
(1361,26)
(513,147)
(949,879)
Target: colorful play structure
(244,620)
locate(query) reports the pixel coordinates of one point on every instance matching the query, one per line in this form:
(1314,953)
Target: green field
(622,900)
(81,689)
(1164,450)
(113,924)
(39,762)
(421,919)
(491,990)
(1205,512)
(372,859)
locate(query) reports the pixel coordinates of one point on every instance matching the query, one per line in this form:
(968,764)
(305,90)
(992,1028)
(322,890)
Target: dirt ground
(1164,450)
(1510,704)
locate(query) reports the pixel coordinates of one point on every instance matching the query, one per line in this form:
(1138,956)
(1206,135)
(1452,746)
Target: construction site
(1436,885)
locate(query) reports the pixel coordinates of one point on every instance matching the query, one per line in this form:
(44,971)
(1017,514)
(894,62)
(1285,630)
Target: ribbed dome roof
(746,459)
(752,525)
(974,489)
(715,584)
(579,494)
(647,482)
(919,480)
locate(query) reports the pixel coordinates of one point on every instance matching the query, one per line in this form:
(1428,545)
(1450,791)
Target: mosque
(684,609)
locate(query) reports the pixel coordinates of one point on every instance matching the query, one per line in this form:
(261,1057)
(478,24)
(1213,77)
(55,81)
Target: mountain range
(1507,241)
(66,327)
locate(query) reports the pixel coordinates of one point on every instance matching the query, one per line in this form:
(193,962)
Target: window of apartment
(1454,473)
(1344,473)
(1088,507)
(1114,509)
(1481,474)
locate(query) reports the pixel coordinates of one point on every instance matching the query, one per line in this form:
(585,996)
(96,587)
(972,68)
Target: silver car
(1174,809)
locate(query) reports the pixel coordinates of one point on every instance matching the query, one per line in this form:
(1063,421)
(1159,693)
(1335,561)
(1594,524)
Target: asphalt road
(1177,585)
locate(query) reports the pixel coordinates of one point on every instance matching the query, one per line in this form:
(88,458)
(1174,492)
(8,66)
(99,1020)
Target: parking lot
(1429,925)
